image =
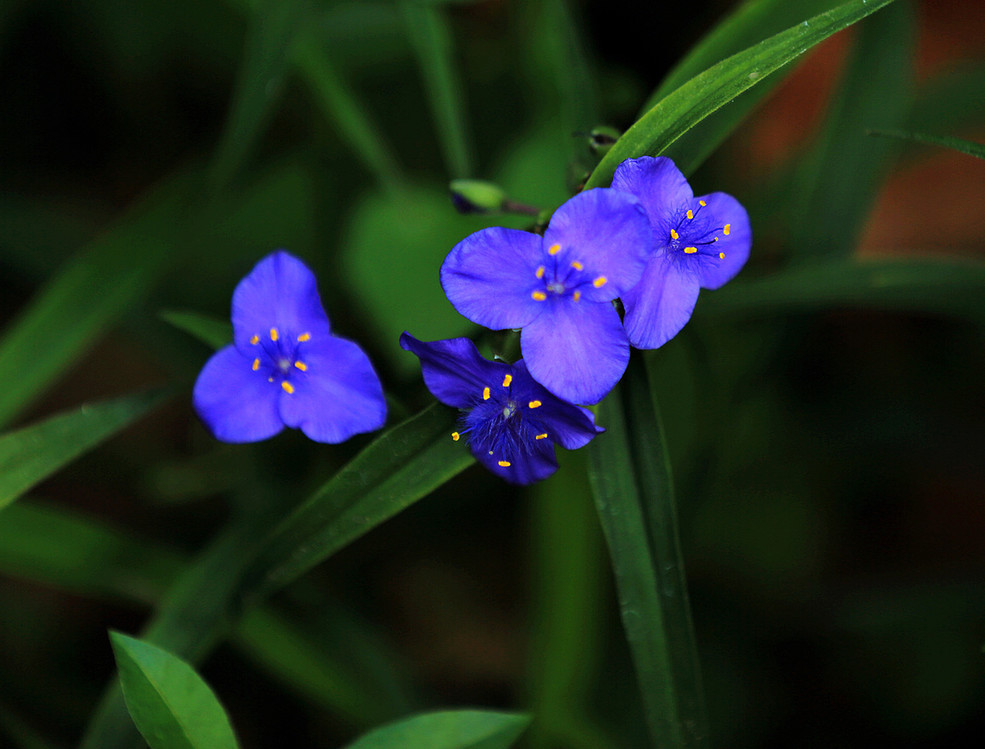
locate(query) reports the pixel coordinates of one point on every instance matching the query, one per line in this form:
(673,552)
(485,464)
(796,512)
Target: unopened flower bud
(476,196)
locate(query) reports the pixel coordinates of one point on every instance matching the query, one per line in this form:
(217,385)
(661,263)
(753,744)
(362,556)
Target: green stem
(631,481)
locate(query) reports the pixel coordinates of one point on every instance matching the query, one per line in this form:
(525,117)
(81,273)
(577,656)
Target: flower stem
(634,497)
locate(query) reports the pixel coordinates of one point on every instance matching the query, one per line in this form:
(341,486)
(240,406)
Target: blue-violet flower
(284,367)
(510,421)
(698,243)
(558,288)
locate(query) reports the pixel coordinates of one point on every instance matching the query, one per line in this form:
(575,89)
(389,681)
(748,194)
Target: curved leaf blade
(969,147)
(31,454)
(449,729)
(688,105)
(171,705)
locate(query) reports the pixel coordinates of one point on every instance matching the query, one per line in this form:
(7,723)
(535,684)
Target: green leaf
(31,454)
(432,41)
(969,147)
(207,329)
(875,92)
(687,105)
(102,282)
(950,287)
(950,100)
(449,729)
(630,477)
(261,77)
(171,705)
(404,464)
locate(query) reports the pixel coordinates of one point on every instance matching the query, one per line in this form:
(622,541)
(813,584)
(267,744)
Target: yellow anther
(270,379)
(728,229)
(721,255)
(255,340)
(504,464)
(540,272)
(485,394)
(273,334)
(690,250)
(304,337)
(455,436)
(554,249)
(301,365)
(507,380)
(576,296)
(674,234)
(599,282)
(541,436)
(535,404)
(540,296)
(577,266)
(702,203)
(256,364)
(690,213)
(288,387)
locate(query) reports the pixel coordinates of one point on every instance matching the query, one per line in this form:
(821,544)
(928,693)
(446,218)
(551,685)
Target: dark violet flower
(558,288)
(511,422)
(284,367)
(699,243)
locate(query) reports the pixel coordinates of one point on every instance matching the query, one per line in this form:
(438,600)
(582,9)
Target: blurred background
(827,444)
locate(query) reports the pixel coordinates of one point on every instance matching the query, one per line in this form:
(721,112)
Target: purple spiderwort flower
(699,243)
(284,367)
(558,288)
(510,421)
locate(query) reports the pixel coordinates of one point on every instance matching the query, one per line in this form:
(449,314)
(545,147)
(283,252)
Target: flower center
(695,233)
(561,277)
(278,358)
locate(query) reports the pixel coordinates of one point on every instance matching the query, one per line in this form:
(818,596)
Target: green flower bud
(476,196)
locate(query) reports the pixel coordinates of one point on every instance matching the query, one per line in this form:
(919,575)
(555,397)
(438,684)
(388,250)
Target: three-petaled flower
(558,288)
(510,421)
(698,243)
(284,367)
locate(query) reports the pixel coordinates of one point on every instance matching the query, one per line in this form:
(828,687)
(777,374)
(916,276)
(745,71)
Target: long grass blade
(969,147)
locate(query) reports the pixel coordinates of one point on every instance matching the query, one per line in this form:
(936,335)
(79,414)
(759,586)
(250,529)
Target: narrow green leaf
(969,147)
(102,282)
(630,476)
(207,329)
(950,100)
(687,105)
(170,704)
(875,91)
(261,77)
(951,287)
(31,454)
(432,41)
(450,729)
(406,463)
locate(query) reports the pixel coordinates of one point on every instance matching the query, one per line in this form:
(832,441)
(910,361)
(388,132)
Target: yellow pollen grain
(554,249)
(577,266)
(288,387)
(576,296)
(599,282)
(540,272)
(304,337)
(255,340)
(674,234)
(455,436)
(690,213)
(702,203)
(721,255)
(541,436)
(301,365)
(504,464)
(270,379)
(274,334)
(535,404)
(507,380)
(540,296)
(690,250)
(485,394)
(728,229)
(256,364)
